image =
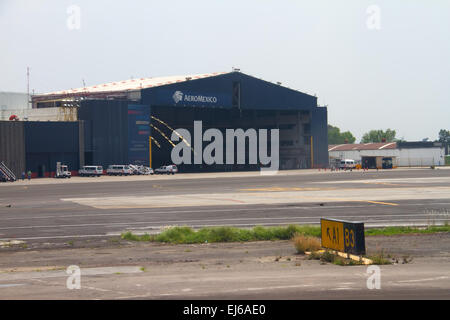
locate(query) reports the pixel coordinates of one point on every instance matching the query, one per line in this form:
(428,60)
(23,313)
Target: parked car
(119,170)
(91,171)
(172,169)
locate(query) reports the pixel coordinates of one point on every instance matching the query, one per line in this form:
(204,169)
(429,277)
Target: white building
(17,104)
(391,154)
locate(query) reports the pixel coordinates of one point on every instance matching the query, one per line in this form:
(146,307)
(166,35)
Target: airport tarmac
(52,210)
(48,224)
(254,270)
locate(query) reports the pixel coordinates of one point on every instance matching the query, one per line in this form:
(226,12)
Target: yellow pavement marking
(380,202)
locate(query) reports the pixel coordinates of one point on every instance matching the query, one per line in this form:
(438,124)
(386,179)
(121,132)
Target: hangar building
(132,121)
(390,154)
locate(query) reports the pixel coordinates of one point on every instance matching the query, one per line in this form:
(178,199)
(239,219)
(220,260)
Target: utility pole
(28,87)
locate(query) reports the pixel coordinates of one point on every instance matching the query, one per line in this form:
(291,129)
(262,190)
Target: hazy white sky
(396,77)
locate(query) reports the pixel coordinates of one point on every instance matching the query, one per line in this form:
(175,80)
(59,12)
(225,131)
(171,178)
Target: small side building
(390,154)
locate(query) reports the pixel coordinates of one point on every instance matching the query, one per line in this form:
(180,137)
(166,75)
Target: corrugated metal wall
(106,134)
(319,130)
(255,93)
(12,146)
(49,142)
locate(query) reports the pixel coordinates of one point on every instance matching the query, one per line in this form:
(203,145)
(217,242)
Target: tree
(335,136)
(444,137)
(379,136)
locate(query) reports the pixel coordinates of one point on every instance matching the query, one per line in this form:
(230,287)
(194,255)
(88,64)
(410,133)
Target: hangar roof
(126,85)
(362,146)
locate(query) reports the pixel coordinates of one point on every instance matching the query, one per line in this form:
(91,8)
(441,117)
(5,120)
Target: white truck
(62,171)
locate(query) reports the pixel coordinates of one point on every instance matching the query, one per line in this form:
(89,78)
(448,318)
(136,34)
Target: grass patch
(187,235)
(390,231)
(304,243)
(132,237)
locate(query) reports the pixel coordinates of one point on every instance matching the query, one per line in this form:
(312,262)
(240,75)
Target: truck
(62,171)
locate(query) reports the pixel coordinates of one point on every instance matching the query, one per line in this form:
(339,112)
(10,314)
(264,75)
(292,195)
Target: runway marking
(280,189)
(403,181)
(234,209)
(388,184)
(407,216)
(275,287)
(11,285)
(422,280)
(385,203)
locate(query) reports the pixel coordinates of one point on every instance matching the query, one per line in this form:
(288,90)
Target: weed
(306,243)
(406,259)
(379,258)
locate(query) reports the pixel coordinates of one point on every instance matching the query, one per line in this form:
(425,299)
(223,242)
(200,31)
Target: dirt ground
(118,269)
(115,251)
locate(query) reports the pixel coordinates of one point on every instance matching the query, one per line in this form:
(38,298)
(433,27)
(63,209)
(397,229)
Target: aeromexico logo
(179,96)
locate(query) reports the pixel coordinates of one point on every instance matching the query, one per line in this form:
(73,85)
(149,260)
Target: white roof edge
(386,145)
(133,84)
(338,145)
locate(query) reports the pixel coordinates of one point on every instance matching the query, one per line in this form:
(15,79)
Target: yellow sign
(332,234)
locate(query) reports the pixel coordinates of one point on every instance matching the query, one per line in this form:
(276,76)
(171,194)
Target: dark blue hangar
(132,121)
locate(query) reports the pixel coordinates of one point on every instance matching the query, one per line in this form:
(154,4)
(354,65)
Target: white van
(347,164)
(91,171)
(119,170)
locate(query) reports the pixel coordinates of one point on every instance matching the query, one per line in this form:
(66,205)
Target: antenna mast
(28,87)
